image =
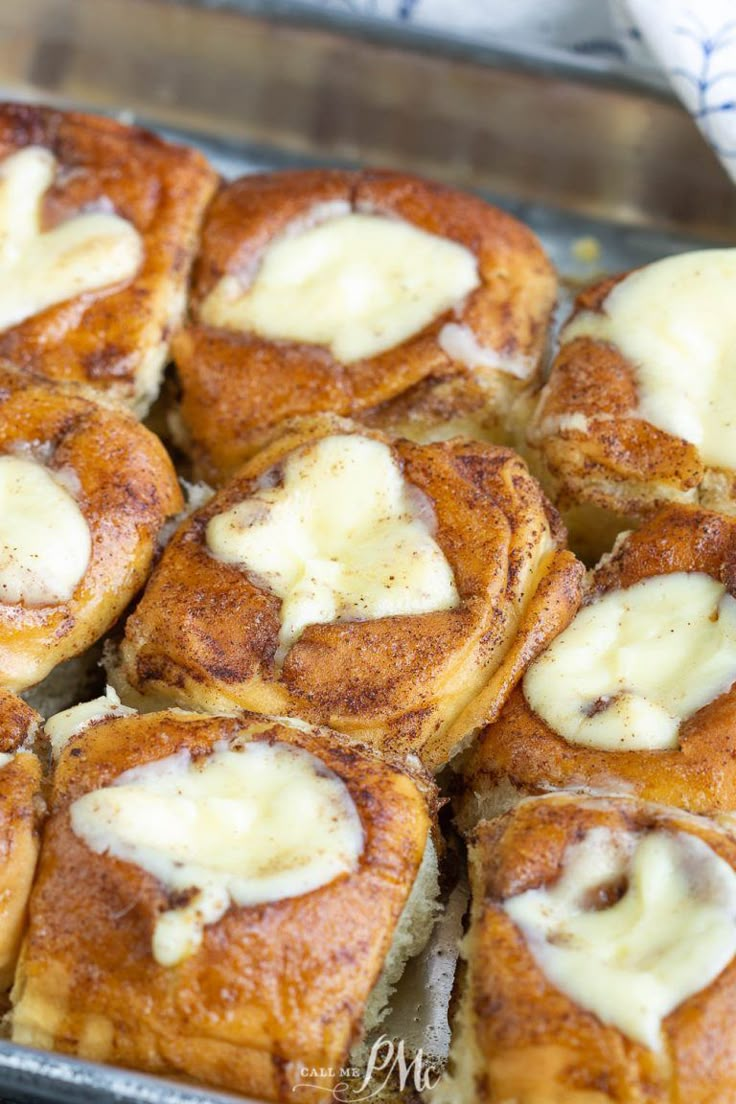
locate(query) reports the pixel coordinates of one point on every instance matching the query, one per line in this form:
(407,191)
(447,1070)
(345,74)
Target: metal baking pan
(577,152)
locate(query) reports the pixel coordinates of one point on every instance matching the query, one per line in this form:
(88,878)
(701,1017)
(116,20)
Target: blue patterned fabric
(694,42)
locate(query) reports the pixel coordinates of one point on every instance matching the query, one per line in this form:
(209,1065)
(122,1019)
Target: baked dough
(275,987)
(113,337)
(467,366)
(109,487)
(673,742)
(210,635)
(21,814)
(606,440)
(519,1035)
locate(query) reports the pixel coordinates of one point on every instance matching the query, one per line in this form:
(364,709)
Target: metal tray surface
(575,152)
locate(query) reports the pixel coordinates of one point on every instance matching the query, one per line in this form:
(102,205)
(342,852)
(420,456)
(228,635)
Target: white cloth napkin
(694,42)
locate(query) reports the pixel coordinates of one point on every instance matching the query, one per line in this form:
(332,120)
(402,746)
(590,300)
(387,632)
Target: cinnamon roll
(392,590)
(639,409)
(85,491)
(225,898)
(600,958)
(371,295)
(98,229)
(637,694)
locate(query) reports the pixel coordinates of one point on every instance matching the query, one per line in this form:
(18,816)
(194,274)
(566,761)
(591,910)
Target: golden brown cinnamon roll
(637,694)
(394,591)
(639,409)
(21,812)
(226,898)
(85,491)
(99,227)
(362,294)
(600,958)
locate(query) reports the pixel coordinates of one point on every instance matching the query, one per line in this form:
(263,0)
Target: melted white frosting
(357,283)
(637,662)
(45,542)
(674,320)
(342,538)
(462,346)
(247,824)
(39,268)
(634,960)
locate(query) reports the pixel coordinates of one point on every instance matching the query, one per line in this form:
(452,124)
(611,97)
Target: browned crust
(617,461)
(104,339)
(204,634)
(18,722)
(21,813)
(536,1045)
(273,989)
(699,775)
(238,387)
(128,488)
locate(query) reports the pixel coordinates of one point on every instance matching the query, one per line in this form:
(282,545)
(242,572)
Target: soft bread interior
(149,703)
(464,1063)
(493,802)
(77,679)
(503,796)
(412,932)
